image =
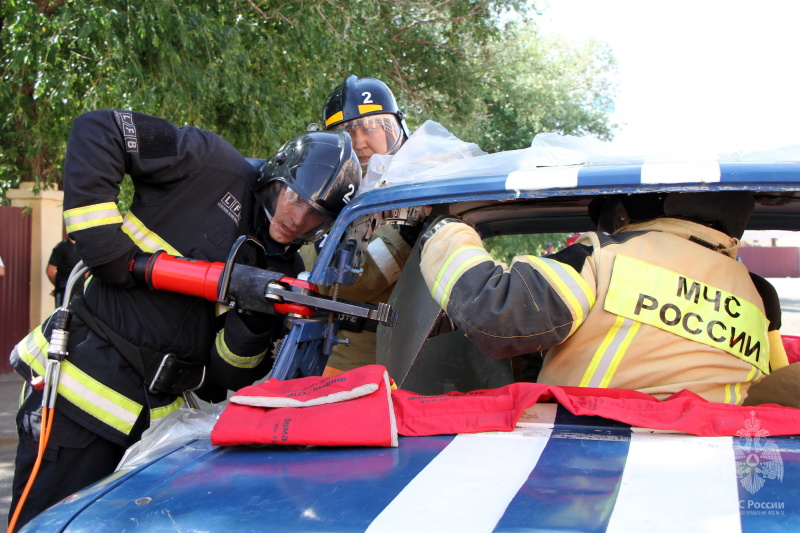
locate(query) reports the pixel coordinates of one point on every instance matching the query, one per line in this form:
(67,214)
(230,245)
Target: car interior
(426,353)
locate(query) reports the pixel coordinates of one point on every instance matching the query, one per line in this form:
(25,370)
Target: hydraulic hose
(56,354)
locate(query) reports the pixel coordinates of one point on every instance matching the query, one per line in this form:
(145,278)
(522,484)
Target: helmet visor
(292,219)
(373,134)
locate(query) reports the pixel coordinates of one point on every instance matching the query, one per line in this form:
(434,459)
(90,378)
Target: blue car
(556,471)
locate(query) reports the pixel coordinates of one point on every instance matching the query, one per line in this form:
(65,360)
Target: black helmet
(610,213)
(318,166)
(364,97)
(726,211)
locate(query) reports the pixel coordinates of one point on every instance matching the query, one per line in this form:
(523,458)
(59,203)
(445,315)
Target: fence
(15,286)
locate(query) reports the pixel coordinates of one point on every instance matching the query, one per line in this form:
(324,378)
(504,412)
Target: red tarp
(368,420)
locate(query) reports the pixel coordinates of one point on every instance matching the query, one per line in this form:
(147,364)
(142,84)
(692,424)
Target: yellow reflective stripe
(161,412)
(146,239)
(733,391)
(691,309)
(105,404)
(336,117)
(92,216)
(627,333)
(236,360)
(609,354)
(462,259)
(369,108)
(575,292)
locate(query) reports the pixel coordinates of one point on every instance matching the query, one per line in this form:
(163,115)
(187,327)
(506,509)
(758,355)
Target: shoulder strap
(139,358)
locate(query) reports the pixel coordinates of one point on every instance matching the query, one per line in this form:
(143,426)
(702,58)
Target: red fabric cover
(375,419)
(791,344)
(366,420)
(314,390)
(499,409)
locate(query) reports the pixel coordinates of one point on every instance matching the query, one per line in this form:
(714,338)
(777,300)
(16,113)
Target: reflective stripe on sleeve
(733,391)
(609,354)
(574,290)
(384,260)
(161,412)
(91,216)
(462,259)
(146,239)
(236,360)
(85,392)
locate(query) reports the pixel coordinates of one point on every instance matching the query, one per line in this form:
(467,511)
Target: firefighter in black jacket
(194,195)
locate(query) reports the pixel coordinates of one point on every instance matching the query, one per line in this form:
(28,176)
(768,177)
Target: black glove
(118,271)
(410,233)
(257,323)
(434,224)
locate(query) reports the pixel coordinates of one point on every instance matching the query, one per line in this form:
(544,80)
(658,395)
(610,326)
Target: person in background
(649,302)
(366,109)
(2,267)
(134,353)
(62,260)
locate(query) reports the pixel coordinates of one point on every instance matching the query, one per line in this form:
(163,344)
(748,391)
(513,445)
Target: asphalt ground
(11,386)
(10,389)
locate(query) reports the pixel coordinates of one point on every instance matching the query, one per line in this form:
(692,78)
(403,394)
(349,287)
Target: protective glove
(118,272)
(434,224)
(256,323)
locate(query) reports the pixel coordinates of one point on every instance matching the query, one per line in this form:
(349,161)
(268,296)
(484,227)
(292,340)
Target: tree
(505,247)
(258,71)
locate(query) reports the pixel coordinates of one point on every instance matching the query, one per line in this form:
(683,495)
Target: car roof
(512,199)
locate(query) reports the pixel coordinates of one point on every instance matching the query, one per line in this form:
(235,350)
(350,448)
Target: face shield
(373,134)
(292,219)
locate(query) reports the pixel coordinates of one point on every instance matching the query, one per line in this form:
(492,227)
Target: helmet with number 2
(316,171)
(366,109)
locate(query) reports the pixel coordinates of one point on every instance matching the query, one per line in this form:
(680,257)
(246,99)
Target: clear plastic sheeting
(432,152)
(175,429)
(429,147)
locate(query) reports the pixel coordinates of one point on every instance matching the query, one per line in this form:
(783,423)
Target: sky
(700,76)
(716,75)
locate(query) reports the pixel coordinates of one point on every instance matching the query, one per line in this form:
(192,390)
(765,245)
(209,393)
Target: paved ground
(10,388)
(11,384)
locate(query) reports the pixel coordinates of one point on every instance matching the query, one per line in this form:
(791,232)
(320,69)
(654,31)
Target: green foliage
(504,248)
(258,71)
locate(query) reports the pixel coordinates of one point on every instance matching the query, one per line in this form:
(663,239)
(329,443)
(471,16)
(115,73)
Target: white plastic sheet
(177,428)
(433,152)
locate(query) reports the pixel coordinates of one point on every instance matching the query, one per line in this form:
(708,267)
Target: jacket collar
(702,235)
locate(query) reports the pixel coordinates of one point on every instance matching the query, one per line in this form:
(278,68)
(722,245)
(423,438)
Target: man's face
(374,134)
(293,217)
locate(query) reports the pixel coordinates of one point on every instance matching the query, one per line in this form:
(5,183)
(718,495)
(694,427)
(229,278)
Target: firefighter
(366,109)
(133,351)
(658,304)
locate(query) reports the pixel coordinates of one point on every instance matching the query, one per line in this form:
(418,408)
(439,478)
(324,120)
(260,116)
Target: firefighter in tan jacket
(658,305)
(367,110)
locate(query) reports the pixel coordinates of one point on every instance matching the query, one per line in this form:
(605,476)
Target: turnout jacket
(386,256)
(193,198)
(659,307)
